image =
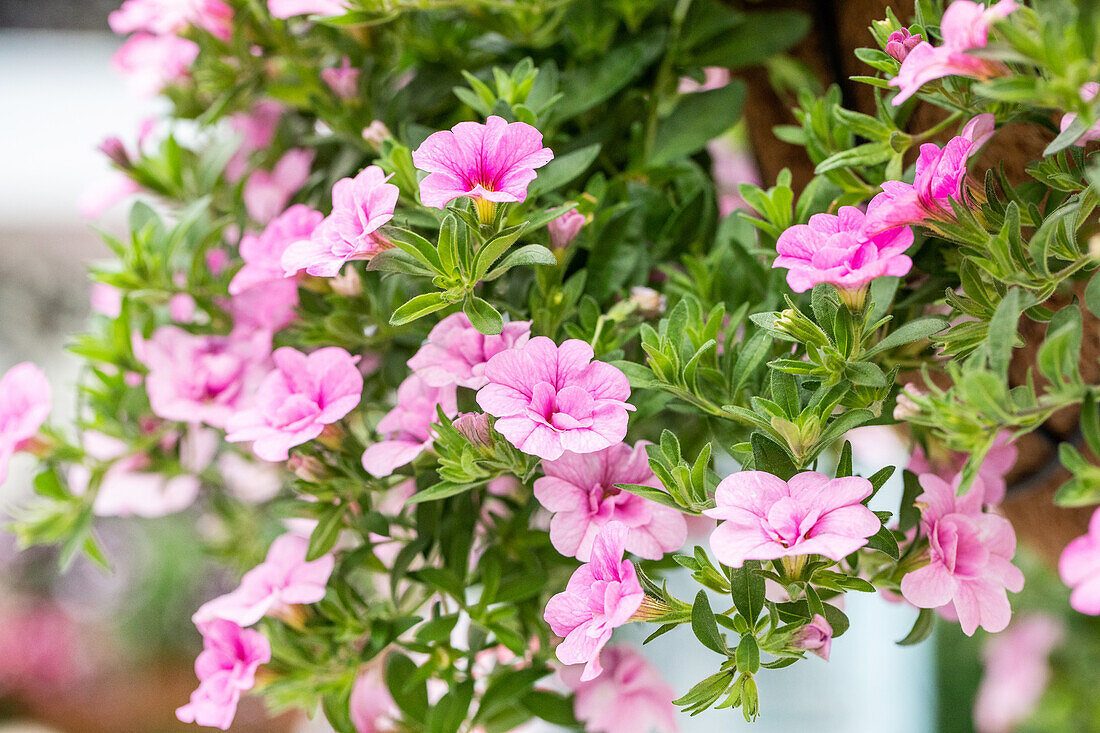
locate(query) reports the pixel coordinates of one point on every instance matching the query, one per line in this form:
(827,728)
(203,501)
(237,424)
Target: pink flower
(263,254)
(1017,671)
(372,707)
(1089,90)
(42,648)
(494,162)
(407,426)
(965,25)
(815,637)
(940,178)
(970,556)
(978,130)
(998,462)
(296,400)
(266,193)
(630,697)
(714,77)
(580,489)
(456,352)
(289,8)
(767,518)
(360,206)
(126,488)
(565,228)
(1079,567)
(550,399)
(248,481)
(342,80)
(257,130)
(105,299)
(266,308)
(731,166)
(150,63)
(901,42)
(105,194)
(24,406)
(601,595)
(170,17)
(198,378)
(833,249)
(225,668)
(283,579)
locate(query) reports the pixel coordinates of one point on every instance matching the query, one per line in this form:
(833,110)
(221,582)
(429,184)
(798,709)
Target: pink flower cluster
(24,406)
(457,353)
(289,8)
(263,253)
(991,474)
(171,17)
(266,193)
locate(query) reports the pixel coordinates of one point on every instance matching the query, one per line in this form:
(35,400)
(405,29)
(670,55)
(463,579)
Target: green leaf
(907,333)
(551,707)
(492,250)
(908,513)
(868,154)
(416,246)
(396,260)
(865,373)
(648,492)
(563,169)
(770,457)
(442,490)
(884,541)
(697,119)
(704,626)
(418,307)
(760,36)
(326,532)
(47,484)
(747,591)
(1092,294)
(506,688)
(446,716)
(411,697)
(748,654)
(437,629)
(528,254)
(922,628)
(1003,332)
(594,84)
(483,316)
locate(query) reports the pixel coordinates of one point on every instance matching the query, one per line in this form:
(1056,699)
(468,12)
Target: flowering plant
(461,285)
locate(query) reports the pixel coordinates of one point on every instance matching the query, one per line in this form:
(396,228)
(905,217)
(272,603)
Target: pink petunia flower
(24,406)
(491,163)
(901,42)
(372,707)
(407,426)
(970,558)
(265,308)
(150,63)
(978,130)
(834,249)
(965,25)
(456,352)
(815,637)
(283,579)
(343,80)
(297,400)
(629,697)
(360,206)
(940,178)
(199,378)
(263,253)
(170,17)
(257,129)
(580,490)
(565,228)
(601,595)
(1088,92)
(289,8)
(1079,567)
(266,193)
(226,667)
(998,462)
(1016,673)
(767,518)
(550,399)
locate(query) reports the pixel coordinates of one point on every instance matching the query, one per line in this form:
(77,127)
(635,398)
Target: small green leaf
(704,626)
(483,316)
(747,591)
(922,628)
(418,307)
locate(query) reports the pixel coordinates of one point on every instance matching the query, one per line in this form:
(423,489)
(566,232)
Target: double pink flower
(24,406)
(225,668)
(940,179)
(263,253)
(456,352)
(406,427)
(629,697)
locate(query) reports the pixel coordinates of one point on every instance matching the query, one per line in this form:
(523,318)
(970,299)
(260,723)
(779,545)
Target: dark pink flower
(24,406)
(266,193)
(940,179)
(629,697)
(343,80)
(263,253)
(901,42)
(1016,673)
(150,63)
(550,399)
(407,426)
(225,668)
(1079,567)
(601,595)
(580,490)
(456,352)
(815,637)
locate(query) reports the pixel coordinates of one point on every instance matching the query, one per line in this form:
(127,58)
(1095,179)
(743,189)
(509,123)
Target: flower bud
(474,427)
(906,407)
(376,133)
(901,42)
(815,637)
(347,282)
(648,302)
(113,148)
(565,228)
(307,468)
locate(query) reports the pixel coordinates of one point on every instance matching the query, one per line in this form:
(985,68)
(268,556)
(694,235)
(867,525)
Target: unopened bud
(113,148)
(347,282)
(815,637)
(332,437)
(474,427)
(648,302)
(376,133)
(564,229)
(307,468)
(1094,246)
(906,407)
(901,42)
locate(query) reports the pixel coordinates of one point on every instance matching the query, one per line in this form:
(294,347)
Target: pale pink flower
(494,162)
(150,63)
(343,80)
(965,25)
(283,579)
(289,8)
(406,427)
(295,402)
(550,399)
(767,518)
(978,130)
(164,17)
(372,707)
(181,308)
(257,129)
(815,637)
(901,42)
(714,77)
(970,558)
(226,667)
(198,378)
(1079,567)
(105,299)
(630,697)
(263,253)
(731,166)
(249,481)
(266,193)
(1016,673)
(1088,92)
(940,178)
(565,228)
(834,249)
(106,193)
(216,261)
(360,206)
(998,462)
(602,595)
(580,490)
(24,406)
(456,352)
(267,307)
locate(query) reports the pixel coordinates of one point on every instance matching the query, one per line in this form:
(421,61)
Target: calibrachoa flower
(767,518)
(965,25)
(372,707)
(580,490)
(901,42)
(978,130)
(266,307)
(1016,673)
(24,406)
(491,163)
(151,63)
(998,462)
(283,579)
(970,558)
(629,697)
(1079,567)
(456,352)
(257,130)
(815,637)
(834,249)
(163,17)
(296,400)
(289,8)
(601,595)
(550,399)
(263,253)
(343,80)
(266,193)
(360,206)
(406,426)
(940,178)
(565,228)
(226,667)
(1089,90)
